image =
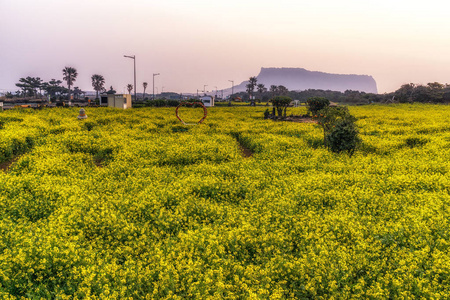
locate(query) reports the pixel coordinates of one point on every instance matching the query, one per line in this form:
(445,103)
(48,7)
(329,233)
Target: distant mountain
(299,79)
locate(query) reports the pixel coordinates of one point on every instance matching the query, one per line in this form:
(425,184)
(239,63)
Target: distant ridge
(299,79)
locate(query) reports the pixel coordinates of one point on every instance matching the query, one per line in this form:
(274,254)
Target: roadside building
(207,100)
(116,100)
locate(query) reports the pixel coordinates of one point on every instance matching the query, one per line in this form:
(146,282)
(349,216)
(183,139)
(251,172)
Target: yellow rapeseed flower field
(130,204)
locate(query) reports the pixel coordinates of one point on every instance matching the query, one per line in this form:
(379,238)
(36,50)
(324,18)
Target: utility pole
(134,59)
(232,86)
(232,91)
(154,74)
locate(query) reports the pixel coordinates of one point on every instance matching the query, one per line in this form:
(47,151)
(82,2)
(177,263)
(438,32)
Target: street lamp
(204,89)
(134,59)
(154,74)
(232,86)
(232,91)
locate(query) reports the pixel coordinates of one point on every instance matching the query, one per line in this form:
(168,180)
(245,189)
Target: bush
(156,103)
(343,137)
(339,129)
(280,102)
(415,142)
(162,103)
(317,103)
(173,103)
(328,116)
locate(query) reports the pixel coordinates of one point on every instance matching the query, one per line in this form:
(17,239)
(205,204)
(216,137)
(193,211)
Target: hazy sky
(193,43)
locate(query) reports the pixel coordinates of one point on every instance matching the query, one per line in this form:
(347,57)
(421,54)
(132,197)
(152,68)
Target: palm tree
(145,84)
(261,89)
(70,76)
(251,87)
(274,90)
(98,82)
(129,88)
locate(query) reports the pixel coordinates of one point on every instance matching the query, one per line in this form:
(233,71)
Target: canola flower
(131,205)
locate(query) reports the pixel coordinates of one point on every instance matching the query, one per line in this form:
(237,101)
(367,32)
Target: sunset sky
(208,42)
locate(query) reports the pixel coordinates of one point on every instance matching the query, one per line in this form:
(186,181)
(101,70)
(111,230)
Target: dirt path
(300,119)
(246,153)
(4,166)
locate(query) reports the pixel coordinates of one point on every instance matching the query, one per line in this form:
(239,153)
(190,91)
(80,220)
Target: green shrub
(173,103)
(328,116)
(343,137)
(317,103)
(415,142)
(339,129)
(280,102)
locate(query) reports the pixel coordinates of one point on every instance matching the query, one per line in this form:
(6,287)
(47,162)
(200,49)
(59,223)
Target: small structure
(207,100)
(119,100)
(103,99)
(191,104)
(82,114)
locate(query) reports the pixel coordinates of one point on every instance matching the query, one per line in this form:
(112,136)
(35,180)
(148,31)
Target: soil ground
(4,166)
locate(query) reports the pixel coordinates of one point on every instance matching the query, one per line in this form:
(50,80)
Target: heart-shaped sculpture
(188,104)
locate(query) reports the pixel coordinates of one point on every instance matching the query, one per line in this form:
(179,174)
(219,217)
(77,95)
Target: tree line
(36,87)
(433,92)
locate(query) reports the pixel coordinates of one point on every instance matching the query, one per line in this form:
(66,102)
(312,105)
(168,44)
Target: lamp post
(134,59)
(232,91)
(154,74)
(216,91)
(204,89)
(232,86)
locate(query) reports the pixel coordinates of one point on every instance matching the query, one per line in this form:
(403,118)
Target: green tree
(282,90)
(53,87)
(98,82)
(77,92)
(317,103)
(405,93)
(70,76)
(30,85)
(281,103)
(435,91)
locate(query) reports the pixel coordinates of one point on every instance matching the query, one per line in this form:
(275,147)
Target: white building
(207,100)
